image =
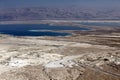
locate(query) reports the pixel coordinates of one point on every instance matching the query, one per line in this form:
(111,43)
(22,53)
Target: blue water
(36,30)
(101,23)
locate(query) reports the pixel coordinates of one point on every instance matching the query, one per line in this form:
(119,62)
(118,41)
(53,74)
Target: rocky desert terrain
(91,55)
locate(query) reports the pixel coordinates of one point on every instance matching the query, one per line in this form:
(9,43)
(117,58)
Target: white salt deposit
(66,61)
(43,59)
(17,63)
(85,45)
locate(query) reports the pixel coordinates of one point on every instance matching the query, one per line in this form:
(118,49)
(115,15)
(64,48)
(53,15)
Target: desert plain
(85,55)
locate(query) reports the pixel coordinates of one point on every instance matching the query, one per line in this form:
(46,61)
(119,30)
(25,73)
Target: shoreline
(56,21)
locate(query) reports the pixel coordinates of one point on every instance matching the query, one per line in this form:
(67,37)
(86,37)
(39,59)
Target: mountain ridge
(51,13)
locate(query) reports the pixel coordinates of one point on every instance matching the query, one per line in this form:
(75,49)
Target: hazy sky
(35,3)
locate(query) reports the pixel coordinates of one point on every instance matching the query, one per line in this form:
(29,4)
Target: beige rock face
(40,73)
(28,73)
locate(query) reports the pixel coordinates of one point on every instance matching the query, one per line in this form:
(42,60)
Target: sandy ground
(19,52)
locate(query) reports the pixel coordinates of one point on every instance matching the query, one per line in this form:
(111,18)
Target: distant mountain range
(68,13)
